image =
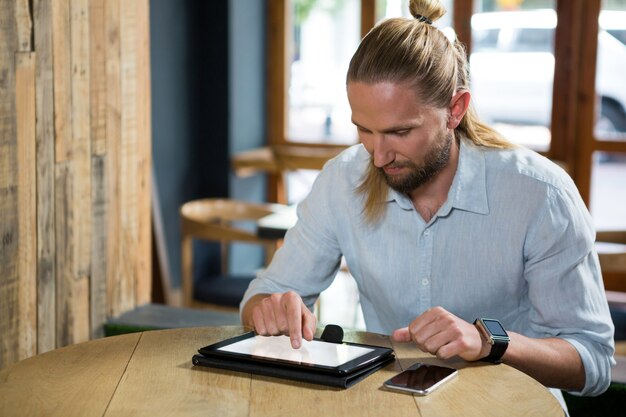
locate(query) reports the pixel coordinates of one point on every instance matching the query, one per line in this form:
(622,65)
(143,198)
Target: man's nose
(383,154)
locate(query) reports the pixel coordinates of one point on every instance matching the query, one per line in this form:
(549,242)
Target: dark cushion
(158,316)
(619,320)
(226,290)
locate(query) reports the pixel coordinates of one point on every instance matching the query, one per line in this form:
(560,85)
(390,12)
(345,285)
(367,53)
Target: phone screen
(421,378)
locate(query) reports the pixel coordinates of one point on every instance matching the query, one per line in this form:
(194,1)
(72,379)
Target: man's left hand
(445,335)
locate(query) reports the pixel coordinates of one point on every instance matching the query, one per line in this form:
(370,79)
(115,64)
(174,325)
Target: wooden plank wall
(75,164)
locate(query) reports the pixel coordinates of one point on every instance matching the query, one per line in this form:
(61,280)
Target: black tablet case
(312,376)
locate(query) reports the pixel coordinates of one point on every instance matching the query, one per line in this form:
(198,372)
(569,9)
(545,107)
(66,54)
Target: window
(541,52)
(512,70)
(323,37)
(607,189)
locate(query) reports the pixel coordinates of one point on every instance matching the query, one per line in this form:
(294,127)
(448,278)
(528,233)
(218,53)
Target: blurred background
(537,76)
(116,113)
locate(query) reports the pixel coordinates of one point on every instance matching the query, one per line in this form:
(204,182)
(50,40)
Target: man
(443,223)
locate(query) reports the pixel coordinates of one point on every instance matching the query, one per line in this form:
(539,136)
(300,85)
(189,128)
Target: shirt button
(426,232)
(424,282)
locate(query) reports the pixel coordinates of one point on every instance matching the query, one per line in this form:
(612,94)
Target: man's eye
(402,132)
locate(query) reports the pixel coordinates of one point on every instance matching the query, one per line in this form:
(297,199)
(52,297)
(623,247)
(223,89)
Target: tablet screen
(314,352)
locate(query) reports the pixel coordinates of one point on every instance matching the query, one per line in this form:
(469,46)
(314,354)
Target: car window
(485,40)
(619,34)
(512,69)
(513,40)
(535,40)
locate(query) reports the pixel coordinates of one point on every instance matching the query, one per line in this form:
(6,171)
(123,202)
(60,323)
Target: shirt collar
(469,187)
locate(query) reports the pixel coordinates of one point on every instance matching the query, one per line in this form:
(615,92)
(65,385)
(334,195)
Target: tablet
(316,355)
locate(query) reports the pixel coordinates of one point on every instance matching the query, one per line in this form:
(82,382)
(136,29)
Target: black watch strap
(499,341)
(497,351)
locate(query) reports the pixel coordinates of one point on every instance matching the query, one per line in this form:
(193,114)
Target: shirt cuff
(597,370)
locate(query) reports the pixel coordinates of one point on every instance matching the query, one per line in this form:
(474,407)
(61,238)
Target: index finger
(308,322)
(292,305)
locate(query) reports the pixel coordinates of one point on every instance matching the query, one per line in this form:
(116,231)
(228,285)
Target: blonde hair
(413,52)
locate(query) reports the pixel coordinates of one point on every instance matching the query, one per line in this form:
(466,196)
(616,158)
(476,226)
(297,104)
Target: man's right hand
(281,313)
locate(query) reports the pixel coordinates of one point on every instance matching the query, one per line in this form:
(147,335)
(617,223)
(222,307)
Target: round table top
(151,374)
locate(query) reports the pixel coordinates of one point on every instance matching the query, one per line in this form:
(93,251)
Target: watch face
(495,328)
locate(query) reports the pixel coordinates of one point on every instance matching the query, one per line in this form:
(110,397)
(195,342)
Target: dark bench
(159,316)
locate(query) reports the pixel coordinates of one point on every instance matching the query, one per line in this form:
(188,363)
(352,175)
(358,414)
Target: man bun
(427,11)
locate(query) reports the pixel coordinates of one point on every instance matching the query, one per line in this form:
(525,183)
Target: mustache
(396,164)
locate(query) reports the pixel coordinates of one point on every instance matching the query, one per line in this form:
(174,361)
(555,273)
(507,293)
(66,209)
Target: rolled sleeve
(597,367)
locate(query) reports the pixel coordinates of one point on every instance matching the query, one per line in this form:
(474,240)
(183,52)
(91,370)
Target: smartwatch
(492,331)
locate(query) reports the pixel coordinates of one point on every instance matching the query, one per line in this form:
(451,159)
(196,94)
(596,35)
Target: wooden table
(151,374)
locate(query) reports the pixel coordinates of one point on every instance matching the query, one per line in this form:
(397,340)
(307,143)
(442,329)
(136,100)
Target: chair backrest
(281,159)
(212,219)
(611,247)
(292,157)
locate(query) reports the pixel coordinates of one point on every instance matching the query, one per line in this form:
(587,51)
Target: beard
(436,158)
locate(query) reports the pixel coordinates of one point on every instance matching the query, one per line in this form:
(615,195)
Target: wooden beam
(278,16)
(9,232)
(128,156)
(113,144)
(26,203)
(586,96)
(46,287)
(609,146)
(62,78)
(24,23)
(277,69)
(462,22)
(567,62)
(99,199)
(81,139)
(98,76)
(98,285)
(368,16)
(143,274)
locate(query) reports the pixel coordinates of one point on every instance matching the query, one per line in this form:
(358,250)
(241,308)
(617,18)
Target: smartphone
(421,378)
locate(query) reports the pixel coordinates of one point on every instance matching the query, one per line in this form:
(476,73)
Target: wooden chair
(214,220)
(276,159)
(281,159)
(611,247)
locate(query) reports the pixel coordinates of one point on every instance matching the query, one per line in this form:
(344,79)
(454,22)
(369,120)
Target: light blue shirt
(513,242)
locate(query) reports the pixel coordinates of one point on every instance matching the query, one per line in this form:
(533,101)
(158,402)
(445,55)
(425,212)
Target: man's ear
(458,106)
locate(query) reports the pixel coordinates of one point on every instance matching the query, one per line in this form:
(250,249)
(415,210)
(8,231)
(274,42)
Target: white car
(512,67)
